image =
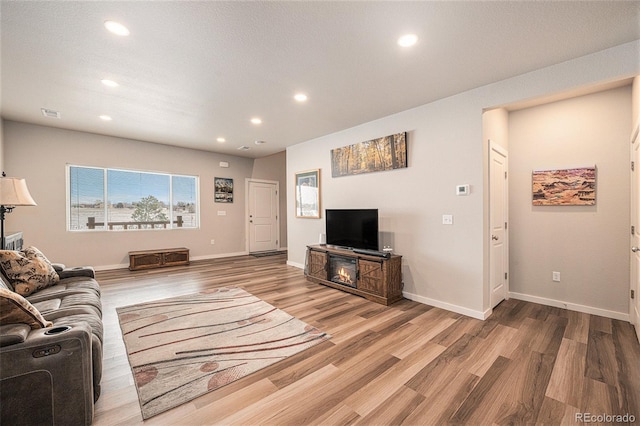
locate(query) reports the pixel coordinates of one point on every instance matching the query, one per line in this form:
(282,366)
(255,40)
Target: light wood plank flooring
(408,363)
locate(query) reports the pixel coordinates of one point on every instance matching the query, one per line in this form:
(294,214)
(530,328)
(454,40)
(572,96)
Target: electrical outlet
(556,276)
(447,219)
(213,242)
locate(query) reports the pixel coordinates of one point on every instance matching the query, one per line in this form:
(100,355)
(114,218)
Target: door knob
(494,238)
(635,249)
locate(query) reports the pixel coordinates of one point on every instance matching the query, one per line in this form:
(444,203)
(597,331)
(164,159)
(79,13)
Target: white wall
(495,126)
(411,201)
(588,245)
(40,154)
(443,265)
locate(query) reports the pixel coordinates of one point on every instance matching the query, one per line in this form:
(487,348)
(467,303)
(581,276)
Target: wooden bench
(147,259)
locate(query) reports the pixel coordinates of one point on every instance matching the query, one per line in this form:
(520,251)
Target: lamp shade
(14,192)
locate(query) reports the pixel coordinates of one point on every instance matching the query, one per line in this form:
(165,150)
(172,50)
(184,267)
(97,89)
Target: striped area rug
(183,347)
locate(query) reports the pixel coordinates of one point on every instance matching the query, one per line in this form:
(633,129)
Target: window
(116,200)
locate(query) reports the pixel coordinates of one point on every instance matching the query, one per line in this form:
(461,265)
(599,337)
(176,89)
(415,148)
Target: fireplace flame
(344,276)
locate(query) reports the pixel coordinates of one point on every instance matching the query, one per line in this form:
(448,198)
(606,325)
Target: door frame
(493,146)
(634,267)
(248,182)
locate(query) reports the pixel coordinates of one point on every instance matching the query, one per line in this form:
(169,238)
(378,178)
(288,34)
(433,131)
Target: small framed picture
(223,190)
(308,194)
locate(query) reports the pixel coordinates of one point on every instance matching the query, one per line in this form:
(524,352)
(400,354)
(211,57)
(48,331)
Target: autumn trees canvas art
(567,187)
(386,153)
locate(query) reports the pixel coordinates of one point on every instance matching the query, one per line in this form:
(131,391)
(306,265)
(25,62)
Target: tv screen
(352,228)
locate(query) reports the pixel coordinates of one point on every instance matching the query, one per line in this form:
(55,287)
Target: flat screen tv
(352,228)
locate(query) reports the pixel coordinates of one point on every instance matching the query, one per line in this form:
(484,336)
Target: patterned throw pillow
(16,309)
(28,270)
(33,253)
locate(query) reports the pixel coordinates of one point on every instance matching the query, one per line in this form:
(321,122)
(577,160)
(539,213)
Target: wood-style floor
(408,363)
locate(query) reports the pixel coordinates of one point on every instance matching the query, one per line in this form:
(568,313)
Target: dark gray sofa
(51,375)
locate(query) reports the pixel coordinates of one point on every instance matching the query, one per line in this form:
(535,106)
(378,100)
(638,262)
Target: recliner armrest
(79,271)
(47,379)
(58,266)
(10,334)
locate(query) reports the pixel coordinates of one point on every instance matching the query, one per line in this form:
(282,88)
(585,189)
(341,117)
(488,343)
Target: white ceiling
(194,71)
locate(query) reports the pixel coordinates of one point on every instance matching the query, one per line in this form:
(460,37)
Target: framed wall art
(308,194)
(223,190)
(386,153)
(564,187)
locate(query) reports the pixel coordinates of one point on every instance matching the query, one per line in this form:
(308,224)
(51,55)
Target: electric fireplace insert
(342,270)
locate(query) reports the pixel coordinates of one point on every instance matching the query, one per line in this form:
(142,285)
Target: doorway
(262,215)
(498,214)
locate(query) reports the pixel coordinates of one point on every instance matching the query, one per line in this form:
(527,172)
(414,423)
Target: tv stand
(375,278)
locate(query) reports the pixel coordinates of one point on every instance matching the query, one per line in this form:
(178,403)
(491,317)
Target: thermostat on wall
(462,190)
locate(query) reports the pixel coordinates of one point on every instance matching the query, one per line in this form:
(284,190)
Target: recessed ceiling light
(300,97)
(116,28)
(408,40)
(105,118)
(256,120)
(259,142)
(221,140)
(243,148)
(109,83)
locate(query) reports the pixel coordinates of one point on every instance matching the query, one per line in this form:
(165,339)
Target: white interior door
(263,216)
(634,310)
(498,213)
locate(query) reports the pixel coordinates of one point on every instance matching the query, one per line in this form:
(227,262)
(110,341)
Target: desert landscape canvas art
(565,187)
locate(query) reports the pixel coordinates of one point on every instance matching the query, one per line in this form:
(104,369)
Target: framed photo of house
(223,190)
(308,194)
(564,187)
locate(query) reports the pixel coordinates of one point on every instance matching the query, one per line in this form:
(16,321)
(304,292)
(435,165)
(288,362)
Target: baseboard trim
(220,256)
(571,306)
(431,302)
(205,257)
(448,306)
(111,267)
(295,264)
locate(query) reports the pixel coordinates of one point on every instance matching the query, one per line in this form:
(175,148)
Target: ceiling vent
(50,113)
(243,148)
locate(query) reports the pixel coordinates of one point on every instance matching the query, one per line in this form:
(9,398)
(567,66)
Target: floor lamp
(13,192)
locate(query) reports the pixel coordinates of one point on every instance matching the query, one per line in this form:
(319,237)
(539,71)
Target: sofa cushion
(67,286)
(28,270)
(86,302)
(16,309)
